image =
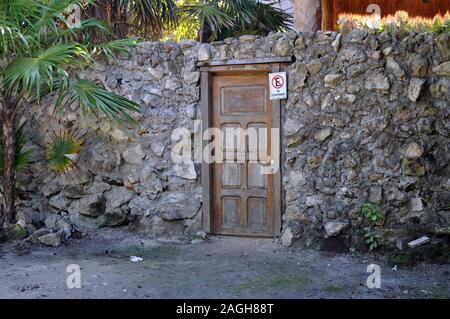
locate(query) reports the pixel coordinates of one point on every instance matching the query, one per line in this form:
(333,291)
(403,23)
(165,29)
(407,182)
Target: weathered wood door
(243,197)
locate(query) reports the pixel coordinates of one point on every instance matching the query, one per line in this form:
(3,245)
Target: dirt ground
(218,267)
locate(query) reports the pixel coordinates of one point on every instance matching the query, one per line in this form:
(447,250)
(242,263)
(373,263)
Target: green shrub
(373,213)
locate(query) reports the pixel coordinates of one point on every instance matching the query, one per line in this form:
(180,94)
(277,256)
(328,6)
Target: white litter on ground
(136,259)
(419,242)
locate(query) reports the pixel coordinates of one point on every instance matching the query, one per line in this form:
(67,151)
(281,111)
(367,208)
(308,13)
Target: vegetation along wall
(367,120)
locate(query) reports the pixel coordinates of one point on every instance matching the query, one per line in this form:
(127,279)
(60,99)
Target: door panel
(243,99)
(243,202)
(255,178)
(231,206)
(231,175)
(257,212)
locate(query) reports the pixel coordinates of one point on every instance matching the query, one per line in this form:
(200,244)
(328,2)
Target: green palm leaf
(22,156)
(242,10)
(109,49)
(222,19)
(211,16)
(29,73)
(150,16)
(51,14)
(94,99)
(63,151)
(22,11)
(13,40)
(80,33)
(270,18)
(144,18)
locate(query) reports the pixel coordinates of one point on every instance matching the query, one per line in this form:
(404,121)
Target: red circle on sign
(277,81)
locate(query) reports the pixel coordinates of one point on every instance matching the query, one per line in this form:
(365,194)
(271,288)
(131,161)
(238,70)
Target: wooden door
(243,197)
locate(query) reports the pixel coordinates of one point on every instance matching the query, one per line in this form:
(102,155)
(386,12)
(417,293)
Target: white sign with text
(278,85)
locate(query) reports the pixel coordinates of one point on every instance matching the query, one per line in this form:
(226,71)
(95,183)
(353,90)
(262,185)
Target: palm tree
(144,18)
(39,53)
(222,19)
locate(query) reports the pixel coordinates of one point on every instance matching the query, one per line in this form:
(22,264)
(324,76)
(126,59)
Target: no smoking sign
(277,84)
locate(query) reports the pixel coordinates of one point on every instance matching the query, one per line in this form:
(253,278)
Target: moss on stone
(14,232)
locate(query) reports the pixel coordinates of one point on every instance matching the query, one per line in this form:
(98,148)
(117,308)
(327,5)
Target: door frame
(207,71)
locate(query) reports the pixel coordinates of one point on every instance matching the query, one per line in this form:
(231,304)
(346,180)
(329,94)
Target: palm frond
(243,11)
(51,13)
(63,150)
(22,156)
(271,18)
(15,16)
(221,19)
(94,99)
(150,16)
(210,15)
(109,49)
(21,12)
(82,32)
(29,73)
(12,40)
(142,18)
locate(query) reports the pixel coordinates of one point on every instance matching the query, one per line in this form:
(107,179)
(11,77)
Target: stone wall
(125,175)
(366,120)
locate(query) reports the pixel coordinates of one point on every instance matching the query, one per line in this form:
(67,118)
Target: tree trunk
(9,171)
(308,15)
(202,37)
